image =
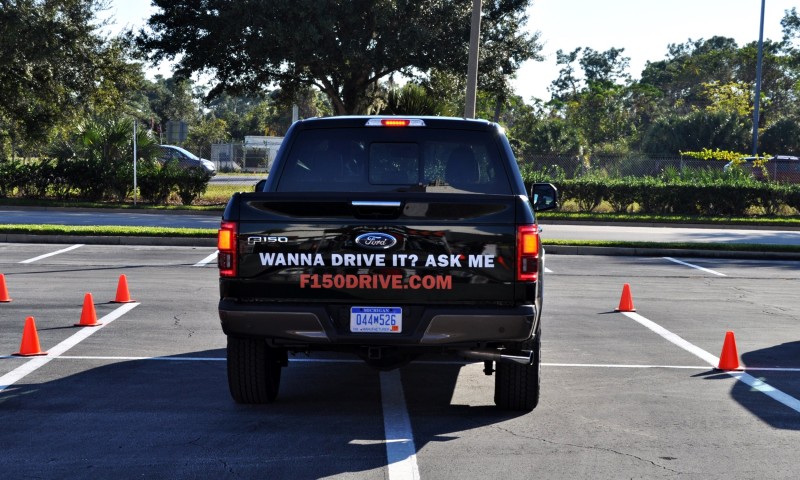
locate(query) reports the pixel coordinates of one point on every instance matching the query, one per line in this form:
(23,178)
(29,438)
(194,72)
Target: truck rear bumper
(308,324)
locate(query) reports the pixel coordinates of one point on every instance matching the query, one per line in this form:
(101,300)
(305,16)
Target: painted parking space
(618,400)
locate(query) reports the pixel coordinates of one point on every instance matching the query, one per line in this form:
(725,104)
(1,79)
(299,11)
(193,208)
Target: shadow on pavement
(770,411)
(174,418)
(785,355)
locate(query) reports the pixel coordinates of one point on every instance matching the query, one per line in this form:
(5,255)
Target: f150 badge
(260,240)
(376,241)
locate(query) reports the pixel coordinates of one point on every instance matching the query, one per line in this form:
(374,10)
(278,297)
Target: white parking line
(695,266)
(421,362)
(40,257)
(207,260)
(599,365)
(34,364)
(741,376)
(400,450)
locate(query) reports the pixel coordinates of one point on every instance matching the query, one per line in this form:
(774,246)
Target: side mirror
(260,186)
(544,196)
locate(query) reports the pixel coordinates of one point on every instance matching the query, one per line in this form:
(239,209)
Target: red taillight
(226,244)
(527,253)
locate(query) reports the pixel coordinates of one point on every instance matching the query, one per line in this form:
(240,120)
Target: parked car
(186,159)
(780,168)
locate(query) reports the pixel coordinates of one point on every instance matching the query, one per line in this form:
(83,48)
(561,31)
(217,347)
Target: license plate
(376,319)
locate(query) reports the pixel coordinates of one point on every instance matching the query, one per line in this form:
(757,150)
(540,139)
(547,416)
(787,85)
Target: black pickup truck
(388,238)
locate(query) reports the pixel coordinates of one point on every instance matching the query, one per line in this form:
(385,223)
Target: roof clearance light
(387,122)
(395,122)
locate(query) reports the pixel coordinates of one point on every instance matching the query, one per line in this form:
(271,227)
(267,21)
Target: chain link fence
(238,157)
(612,166)
(254,155)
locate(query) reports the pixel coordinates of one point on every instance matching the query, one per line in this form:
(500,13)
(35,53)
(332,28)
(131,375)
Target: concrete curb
(142,211)
(600,223)
(669,252)
(109,240)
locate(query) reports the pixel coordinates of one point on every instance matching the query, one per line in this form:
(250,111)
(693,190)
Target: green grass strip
(110,230)
(684,219)
(730,247)
(46,203)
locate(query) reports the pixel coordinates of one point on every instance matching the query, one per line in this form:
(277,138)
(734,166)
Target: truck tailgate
(409,248)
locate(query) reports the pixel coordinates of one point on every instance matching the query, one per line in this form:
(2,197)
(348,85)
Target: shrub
(588,192)
(156,182)
(9,177)
(621,193)
(792,198)
(191,184)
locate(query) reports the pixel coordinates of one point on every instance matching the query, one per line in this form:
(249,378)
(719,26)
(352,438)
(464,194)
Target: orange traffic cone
(626,301)
(729,358)
(4,298)
(30,340)
(88,314)
(123,296)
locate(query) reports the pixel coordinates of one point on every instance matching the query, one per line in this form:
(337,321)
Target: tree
(729,97)
(687,67)
(342,47)
(595,104)
(716,74)
(119,83)
(235,110)
(780,80)
(449,87)
(412,99)
(553,136)
(791,25)
(50,59)
(97,156)
(672,134)
(782,137)
(208,131)
(172,99)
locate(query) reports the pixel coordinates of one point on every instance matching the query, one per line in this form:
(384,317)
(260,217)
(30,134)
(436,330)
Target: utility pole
(472,68)
(757,99)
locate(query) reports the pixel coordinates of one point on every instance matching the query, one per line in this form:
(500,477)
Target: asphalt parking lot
(625,395)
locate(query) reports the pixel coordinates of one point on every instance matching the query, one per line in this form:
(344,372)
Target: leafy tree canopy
(55,66)
(342,47)
(791,25)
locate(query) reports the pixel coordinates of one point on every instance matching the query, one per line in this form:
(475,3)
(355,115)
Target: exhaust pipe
(523,357)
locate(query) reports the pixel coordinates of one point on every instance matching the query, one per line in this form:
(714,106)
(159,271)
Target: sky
(643,28)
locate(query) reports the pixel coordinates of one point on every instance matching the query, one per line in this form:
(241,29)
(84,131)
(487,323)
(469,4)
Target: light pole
(472,67)
(134,164)
(757,100)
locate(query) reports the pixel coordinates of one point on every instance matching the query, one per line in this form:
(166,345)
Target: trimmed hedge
(82,179)
(678,197)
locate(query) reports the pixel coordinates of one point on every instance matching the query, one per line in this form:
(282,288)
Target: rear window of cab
(386,159)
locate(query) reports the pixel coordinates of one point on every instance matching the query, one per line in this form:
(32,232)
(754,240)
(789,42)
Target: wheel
(254,370)
(516,386)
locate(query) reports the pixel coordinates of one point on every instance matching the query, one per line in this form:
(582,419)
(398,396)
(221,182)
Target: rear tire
(254,370)
(516,386)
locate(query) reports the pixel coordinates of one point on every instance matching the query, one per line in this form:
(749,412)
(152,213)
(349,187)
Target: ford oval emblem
(376,241)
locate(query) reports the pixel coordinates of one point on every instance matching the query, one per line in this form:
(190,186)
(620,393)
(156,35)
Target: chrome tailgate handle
(375,203)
